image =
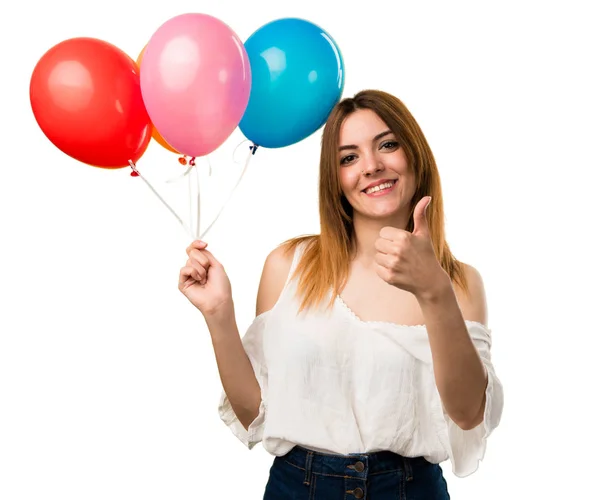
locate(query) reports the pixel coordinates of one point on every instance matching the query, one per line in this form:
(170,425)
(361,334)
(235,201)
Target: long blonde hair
(324,265)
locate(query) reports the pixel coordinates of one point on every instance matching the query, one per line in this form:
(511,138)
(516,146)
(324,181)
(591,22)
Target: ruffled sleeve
(253,345)
(467,448)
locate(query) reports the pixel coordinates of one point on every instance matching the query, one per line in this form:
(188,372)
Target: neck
(366,232)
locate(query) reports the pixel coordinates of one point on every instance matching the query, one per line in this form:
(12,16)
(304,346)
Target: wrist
(220,317)
(440,291)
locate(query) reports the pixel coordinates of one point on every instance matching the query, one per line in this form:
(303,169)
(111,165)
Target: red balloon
(86,97)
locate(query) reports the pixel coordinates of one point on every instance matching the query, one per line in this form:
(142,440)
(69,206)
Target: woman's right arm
(235,369)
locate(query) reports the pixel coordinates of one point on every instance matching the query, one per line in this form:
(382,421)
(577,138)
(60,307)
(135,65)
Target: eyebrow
(376,138)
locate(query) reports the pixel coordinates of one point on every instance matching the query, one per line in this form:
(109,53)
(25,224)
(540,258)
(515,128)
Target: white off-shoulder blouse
(333,383)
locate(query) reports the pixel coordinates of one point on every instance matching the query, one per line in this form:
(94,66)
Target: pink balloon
(195,80)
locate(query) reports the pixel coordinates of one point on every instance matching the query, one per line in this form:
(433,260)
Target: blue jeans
(303,474)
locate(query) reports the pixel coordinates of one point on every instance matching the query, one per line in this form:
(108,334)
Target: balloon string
(191,214)
(209,165)
(197,202)
(173,179)
(183,224)
(253,149)
(190,164)
(190,191)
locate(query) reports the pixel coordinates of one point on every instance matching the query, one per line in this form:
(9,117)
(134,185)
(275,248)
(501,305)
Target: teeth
(379,187)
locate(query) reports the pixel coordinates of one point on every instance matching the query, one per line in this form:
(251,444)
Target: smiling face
(375,176)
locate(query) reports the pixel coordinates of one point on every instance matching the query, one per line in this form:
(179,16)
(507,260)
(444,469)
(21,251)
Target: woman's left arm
(460,375)
(407,260)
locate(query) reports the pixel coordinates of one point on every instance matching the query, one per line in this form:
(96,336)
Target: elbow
(246,421)
(247,415)
(467,425)
(468,422)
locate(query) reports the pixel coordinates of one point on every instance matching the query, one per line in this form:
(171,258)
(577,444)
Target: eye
(389,145)
(347,159)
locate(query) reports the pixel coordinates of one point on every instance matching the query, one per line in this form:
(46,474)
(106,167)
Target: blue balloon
(297,78)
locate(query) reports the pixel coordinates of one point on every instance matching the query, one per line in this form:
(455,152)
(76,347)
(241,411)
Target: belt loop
(308,466)
(408,473)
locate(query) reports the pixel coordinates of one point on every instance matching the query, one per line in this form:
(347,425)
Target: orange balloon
(141,56)
(160,139)
(155,133)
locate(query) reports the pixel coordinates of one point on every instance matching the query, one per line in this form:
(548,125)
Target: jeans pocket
(286,482)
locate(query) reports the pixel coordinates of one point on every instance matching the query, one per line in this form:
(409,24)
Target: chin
(381,214)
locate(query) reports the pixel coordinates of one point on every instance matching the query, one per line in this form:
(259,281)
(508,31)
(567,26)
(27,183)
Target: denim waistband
(356,464)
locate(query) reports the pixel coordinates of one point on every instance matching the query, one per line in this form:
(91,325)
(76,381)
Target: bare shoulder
(474,304)
(274,275)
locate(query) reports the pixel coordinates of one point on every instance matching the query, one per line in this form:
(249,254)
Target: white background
(108,384)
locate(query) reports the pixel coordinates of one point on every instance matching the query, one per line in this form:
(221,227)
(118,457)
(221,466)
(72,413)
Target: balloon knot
(193,161)
(134,172)
(182,160)
(253,148)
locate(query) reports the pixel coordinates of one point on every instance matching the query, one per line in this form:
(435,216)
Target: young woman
(368,363)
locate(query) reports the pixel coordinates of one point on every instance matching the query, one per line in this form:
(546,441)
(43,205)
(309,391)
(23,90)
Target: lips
(379,186)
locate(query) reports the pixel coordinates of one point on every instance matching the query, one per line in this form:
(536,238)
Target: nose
(371,165)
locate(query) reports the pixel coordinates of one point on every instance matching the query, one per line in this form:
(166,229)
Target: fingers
(197,245)
(187,275)
(200,257)
(385,260)
(211,259)
(199,263)
(386,246)
(202,260)
(201,246)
